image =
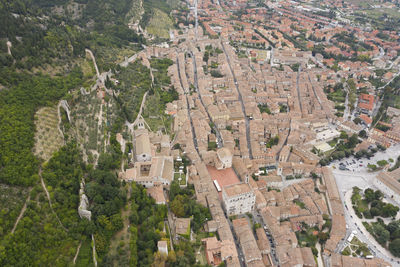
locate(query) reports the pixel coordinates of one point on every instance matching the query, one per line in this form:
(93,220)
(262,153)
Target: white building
(238,198)
(388,183)
(327,135)
(142,143)
(224,156)
(160,170)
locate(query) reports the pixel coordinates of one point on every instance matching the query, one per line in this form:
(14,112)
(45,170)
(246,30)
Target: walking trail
(21,214)
(77,252)
(131,125)
(48,197)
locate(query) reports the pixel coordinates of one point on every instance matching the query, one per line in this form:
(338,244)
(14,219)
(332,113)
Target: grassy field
(87,68)
(394,100)
(156,119)
(48,139)
(159,24)
(378,12)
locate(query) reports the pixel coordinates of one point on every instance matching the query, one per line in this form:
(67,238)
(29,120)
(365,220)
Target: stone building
(238,198)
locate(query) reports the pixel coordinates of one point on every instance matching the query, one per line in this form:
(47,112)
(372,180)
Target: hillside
(46,49)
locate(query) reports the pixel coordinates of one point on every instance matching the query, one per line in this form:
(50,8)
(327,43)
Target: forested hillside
(43,60)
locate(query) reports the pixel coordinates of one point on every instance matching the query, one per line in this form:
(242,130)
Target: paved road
(258,219)
(346,112)
(187,107)
(386,84)
(355,224)
(360,177)
(247,121)
(196,85)
(298,89)
(355,169)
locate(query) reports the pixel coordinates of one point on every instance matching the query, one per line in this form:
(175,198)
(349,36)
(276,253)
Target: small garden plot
(48,138)
(180,176)
(356,248)
(180,172)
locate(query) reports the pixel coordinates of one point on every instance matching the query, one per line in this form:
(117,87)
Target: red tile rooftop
(224,177)
(366,119)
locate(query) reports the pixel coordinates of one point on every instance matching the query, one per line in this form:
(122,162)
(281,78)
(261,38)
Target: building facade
(238,199)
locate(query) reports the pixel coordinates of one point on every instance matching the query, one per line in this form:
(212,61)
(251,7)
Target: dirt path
(94,62)
(94,251)
(141,107)
(77,252)
(130,125)
(9,45)
(21,214)
(59,120)
(48,197)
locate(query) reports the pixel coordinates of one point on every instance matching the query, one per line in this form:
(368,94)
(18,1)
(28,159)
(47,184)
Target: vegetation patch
(48,138)
(371,205)
(159,95)
(160,24)
(12,198)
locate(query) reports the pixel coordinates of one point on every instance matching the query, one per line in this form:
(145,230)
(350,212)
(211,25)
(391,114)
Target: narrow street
(298,90)
(246,119)
(196,85)
(258,219)
(346,112)
(187,107)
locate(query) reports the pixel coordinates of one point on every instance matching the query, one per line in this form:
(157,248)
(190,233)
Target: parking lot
(354,165)
(355,173)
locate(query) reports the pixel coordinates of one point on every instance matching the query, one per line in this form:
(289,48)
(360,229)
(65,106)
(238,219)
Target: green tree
(206,56)
(369,195)
(177,206)
(394,247)
(389,210)
(323,237)
(382,235)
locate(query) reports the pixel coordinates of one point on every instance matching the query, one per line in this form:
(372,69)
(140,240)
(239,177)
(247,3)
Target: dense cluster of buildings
(254,121)
(263,123)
